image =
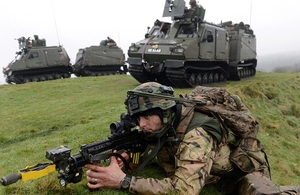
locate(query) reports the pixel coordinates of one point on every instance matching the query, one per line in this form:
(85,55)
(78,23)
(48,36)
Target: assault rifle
(134,142)
(70,167)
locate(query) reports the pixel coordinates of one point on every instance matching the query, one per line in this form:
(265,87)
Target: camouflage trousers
(259,183)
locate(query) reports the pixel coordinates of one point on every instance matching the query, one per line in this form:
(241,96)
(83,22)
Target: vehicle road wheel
(210,78)
(43,78)
(67,75)
(242,73)
(50,77)
(57,76)
(222,78)
(205,78)
(239,74)
(216,78)
(192,79)
(35,79)
(199,79)
(26,80)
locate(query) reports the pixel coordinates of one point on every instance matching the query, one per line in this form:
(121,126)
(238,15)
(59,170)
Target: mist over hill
(267,63)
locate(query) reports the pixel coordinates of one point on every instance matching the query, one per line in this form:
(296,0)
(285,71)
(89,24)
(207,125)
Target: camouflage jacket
(206,156)
(189,165)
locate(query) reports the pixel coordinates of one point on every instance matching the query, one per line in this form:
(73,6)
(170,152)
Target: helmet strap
(168,117)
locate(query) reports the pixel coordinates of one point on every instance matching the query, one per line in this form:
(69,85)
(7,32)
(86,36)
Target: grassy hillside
(36,117)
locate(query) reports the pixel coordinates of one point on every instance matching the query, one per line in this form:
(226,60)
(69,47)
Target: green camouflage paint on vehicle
(37,62)
(190,51)
(104,59)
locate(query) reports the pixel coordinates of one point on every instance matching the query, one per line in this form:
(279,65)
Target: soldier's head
(36,37)
(193,3)
(147,104)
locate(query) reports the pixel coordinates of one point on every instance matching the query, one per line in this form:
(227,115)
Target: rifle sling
(153,153)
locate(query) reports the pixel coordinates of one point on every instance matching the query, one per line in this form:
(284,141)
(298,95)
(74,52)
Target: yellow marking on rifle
(136,158)
(35,174)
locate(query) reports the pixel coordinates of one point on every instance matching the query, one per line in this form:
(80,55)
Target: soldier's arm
(194,160)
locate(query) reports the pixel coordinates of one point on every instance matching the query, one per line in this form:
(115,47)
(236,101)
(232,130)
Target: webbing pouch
(242,160)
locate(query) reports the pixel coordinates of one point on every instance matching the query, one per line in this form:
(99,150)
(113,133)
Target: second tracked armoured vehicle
(190,51)
(105,59)
(37,62)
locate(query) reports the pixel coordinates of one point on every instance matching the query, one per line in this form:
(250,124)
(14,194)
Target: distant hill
(267,63)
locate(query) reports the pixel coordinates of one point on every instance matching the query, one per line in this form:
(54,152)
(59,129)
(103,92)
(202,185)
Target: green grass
(36,117)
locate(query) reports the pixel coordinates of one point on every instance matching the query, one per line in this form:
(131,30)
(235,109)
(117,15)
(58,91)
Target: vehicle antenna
(250,12)
(55,24)
(119,38)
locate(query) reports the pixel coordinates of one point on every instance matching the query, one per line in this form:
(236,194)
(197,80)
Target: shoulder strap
(209,124)
(186,118)
(178,111)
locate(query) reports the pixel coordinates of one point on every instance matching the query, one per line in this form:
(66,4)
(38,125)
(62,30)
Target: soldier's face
(149,123)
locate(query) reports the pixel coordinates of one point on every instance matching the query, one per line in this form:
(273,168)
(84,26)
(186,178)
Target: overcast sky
(79,24)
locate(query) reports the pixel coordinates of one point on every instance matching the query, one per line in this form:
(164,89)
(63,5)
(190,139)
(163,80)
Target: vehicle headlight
(8,73)
(134,49)
(177,50)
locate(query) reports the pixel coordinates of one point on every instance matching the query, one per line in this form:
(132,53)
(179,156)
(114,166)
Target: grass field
(36,117)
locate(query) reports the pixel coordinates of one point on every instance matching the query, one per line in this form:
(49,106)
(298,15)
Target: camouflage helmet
(138,100)
(192,2)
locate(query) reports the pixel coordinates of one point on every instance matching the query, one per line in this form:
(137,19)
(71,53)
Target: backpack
(239,127)
(229,108)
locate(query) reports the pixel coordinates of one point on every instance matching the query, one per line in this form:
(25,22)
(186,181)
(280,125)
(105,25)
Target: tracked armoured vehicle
(37,62)
(105,59)
(190,51)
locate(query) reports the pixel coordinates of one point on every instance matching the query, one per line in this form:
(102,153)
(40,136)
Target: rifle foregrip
(10,179)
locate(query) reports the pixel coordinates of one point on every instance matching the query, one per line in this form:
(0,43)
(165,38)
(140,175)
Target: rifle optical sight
(60,153)
(125,124)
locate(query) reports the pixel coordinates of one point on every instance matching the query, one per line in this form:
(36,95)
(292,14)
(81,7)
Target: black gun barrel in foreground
(70,167)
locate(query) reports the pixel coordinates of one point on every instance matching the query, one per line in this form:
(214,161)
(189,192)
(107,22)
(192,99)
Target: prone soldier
(195,157)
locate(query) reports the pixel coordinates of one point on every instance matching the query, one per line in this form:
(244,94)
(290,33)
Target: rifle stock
(10,179)
(30,172)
